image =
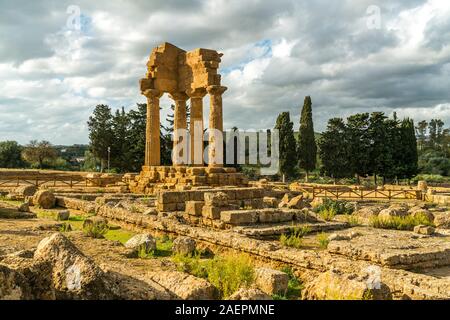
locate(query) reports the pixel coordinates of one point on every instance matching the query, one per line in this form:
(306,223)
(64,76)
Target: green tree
(287,144)
(334,151)
(39,153)
(121,148)
(138,118)
(306,146)
(422,133)
(10,155)
(359,144)
(101,133)
(408,164)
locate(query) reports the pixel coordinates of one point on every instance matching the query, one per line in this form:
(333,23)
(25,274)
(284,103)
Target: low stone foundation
(154,178)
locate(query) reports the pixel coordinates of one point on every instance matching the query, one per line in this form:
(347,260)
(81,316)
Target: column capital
(215,89)
(152,93)
(178,96)
(196,93)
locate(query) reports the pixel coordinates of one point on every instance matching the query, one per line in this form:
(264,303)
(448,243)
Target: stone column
(196,127)
(152,143)
(179,124)
(215,148)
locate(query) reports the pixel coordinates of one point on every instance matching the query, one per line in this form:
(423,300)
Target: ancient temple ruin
(184,76)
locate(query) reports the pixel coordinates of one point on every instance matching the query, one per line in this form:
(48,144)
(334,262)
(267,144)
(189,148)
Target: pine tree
(306,146)
(287,145)
(101,132)
(333,150)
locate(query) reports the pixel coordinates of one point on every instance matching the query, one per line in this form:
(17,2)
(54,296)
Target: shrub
(322,238)
(352,220)
(327,214)
(294,239)
(336,206)
(230,272)
(227,273)
(400,223)
(96,230)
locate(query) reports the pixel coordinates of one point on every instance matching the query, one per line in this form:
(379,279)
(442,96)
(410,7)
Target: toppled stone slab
(13,285)
(335,286)
(239,217)
(271,281)
(45,199)
(272,230)
(396,249)
(76,204)
(183,245)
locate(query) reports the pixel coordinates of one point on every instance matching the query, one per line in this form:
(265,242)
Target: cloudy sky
(342,53)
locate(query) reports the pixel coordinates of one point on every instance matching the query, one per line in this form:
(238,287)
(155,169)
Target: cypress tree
(287,152)
(306,146)
(101,132)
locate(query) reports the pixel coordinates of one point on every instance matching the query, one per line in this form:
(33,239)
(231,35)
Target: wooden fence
(55,181)
(349,193)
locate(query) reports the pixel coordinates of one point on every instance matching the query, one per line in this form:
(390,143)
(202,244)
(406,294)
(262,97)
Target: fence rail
(349,193)
(55,181)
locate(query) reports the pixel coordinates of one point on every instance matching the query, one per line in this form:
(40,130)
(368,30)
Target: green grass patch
(327,214)
(118,235)
(400,223)
(227,272)
(294,238)
(352,220)
(322,239)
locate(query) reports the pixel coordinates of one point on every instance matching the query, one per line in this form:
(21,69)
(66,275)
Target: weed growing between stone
(294,287)
(227,272)
(294,238)
(322,239)
(400,223)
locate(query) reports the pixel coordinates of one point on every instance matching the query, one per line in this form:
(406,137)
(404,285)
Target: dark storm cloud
(276,52)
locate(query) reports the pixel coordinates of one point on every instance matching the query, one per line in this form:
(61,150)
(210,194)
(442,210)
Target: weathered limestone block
(367,213)
(418,212)
(13,285)
(74,275)
(26,191)
(271,281)
(38,274)
(184,286)
(62,215)
(421,229)
(297,203)
(239,217)
(274,215)
(141,243)
(45,199)
(271,202)
(95,221)
(335,286)
(393,212)
(184,245)
(194,208)
(442,220)
(249,294)
(217,199)
(211,212)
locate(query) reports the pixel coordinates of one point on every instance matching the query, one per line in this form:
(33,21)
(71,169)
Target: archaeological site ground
(199,230)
